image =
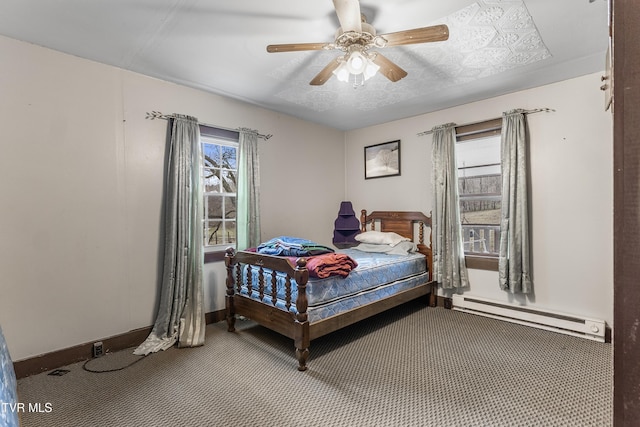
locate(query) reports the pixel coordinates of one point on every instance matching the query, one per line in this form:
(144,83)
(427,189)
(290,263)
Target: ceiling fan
(356,38)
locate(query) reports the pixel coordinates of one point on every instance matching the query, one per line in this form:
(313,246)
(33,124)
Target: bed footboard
(240,297)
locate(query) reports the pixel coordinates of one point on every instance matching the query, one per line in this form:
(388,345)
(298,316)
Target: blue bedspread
(8,392)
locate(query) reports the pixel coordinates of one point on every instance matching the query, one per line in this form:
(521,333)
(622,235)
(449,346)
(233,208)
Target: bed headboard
(403,223)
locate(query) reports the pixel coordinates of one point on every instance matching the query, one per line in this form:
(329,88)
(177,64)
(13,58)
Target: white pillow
(402,248)
(381,238)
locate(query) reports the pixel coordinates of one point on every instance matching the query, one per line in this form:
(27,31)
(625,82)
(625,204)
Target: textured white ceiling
(495,47)
(487,37)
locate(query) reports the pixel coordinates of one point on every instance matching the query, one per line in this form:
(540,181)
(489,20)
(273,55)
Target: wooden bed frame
(297,326)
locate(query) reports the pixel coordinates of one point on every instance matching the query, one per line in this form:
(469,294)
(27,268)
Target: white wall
(572,189)
(81,181)
(81,185)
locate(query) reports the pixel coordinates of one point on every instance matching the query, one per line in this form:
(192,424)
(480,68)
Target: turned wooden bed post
(229,262)
(433,301)
(301,333)
(363,220)
(433,298)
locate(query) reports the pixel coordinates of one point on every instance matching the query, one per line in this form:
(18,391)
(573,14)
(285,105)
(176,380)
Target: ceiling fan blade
(435,33)
(295,47)
(325,74)
(348,12)
(388,68)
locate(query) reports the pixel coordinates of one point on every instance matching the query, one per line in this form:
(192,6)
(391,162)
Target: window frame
(225,137)
(467,133)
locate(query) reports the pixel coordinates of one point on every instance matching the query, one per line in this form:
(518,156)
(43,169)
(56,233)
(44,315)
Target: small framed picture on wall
(382,160)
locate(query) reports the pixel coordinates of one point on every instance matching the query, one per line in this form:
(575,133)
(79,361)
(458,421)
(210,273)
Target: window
(219,174)
(480,192)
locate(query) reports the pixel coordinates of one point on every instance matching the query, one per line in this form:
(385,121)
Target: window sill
(214,256)
(481,262)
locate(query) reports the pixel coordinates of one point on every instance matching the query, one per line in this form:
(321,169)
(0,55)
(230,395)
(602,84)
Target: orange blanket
(331,264)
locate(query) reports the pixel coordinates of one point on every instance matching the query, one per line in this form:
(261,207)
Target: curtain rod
(537,110)
(158,115)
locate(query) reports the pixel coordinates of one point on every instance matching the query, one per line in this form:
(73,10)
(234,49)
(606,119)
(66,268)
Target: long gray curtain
(248,203)
(514,257)
(449,268)
(8,387)
(180,315)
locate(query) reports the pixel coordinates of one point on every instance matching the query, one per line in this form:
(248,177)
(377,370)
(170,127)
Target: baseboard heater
(543,319)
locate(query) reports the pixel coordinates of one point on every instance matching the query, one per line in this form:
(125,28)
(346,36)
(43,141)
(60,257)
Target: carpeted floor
(410,366)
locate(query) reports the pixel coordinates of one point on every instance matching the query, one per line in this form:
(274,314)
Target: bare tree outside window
(220,186)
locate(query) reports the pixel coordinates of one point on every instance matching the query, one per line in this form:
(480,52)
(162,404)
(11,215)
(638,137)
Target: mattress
(376,277)
(359,299)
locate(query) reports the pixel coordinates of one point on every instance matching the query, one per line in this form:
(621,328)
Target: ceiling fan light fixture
(356,63)
(342,73)
(370,69)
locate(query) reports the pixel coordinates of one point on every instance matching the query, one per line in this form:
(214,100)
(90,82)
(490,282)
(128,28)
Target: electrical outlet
(98,350)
